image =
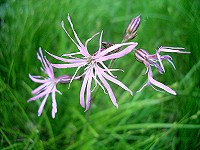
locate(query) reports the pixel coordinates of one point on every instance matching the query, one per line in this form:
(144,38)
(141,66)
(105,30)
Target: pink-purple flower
(48,84)
(94,67)
(155,60)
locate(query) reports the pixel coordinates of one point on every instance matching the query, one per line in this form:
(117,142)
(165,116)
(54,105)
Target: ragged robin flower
(94,67)
(156,60)
(48,84)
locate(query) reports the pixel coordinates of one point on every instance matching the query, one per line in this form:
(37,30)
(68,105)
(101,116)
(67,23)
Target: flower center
(90,61)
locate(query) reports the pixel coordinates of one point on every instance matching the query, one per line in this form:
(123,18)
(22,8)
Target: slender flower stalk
(94,67)
(156,60)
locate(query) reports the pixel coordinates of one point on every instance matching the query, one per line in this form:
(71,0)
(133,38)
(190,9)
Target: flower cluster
(94,67)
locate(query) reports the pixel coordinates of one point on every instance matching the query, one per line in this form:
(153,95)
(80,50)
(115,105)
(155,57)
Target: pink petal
(100,43)
(42,105)
(49,70)
(106,69)
(58,92)
(114,80)
(69,65)
(100,40)
(88,92)
(47,91)
(159,59)
(119,54)
(54,105)
(172,64)
(88,40)
(38,96)
(42,60)
(37,77)
(107,86)
(66,60)
(114,47)
(34,79)
(82,48)
(97,82)
(146,84)
(73,77)
(160,85)
(172,49)
(40,88)
(82,92)
(63,26)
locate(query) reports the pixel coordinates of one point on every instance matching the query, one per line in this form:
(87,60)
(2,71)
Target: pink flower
(156,61)
(48,84)
(95,69)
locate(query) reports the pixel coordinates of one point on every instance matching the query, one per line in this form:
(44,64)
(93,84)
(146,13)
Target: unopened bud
(134,24)
(132,29)
(141,55)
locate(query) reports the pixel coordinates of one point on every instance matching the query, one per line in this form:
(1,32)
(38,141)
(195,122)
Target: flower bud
(141,55)
(132,29)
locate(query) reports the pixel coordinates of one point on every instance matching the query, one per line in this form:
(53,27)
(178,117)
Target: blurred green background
(148,120)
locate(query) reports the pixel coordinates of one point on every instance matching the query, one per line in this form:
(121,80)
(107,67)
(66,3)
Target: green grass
(148,120)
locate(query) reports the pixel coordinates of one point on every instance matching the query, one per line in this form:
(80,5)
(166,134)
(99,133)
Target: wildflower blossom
(95,69)
(156,60)
(48,84)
